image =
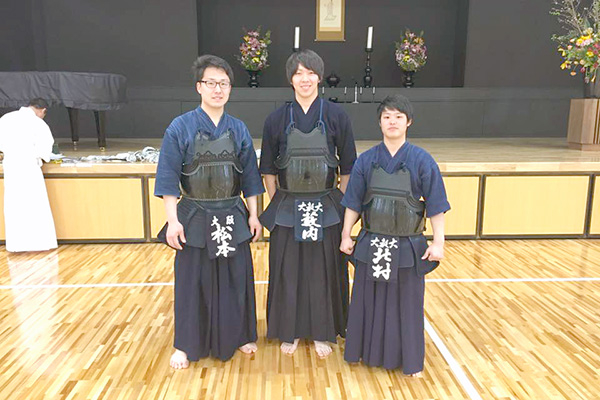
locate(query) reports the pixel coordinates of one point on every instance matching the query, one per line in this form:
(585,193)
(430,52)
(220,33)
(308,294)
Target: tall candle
(370,38)
(297,37)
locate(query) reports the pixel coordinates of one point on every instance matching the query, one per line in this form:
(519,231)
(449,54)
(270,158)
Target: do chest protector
(390,207)
(307,165)
(215,171)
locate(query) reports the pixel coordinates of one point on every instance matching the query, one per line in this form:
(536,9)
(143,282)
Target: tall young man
(305,144)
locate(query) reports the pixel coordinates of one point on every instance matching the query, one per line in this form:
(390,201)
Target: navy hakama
(308,282)
(386,324)
(215,310)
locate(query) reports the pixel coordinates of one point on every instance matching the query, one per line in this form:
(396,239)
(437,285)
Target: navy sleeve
(346,147)
(170,162)
(269,149)
(357,186)
(432,186)
(251,180)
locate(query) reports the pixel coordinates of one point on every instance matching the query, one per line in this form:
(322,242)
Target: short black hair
(208,60)
(396,102)
(309,59)
(38,103)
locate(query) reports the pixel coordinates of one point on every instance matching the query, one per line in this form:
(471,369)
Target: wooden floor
(505,320)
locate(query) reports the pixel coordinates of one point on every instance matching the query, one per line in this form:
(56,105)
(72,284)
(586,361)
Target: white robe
(26,140)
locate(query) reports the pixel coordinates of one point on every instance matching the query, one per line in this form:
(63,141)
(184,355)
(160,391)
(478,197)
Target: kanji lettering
(309,219)
(222,235)
(383,253)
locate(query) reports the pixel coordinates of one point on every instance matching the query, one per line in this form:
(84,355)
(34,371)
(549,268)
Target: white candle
(370,37)
(297,37)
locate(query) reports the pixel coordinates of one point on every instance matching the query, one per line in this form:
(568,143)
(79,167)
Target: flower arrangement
(253,50)
(411,52)
(580,46)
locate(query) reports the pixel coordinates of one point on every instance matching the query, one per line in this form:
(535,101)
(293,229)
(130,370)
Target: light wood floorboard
(513,340)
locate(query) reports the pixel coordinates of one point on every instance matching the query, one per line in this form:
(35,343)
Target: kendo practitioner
(385,323)
(207,158)
(306,143)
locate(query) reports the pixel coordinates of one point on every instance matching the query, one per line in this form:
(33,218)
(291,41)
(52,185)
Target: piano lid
(82,90)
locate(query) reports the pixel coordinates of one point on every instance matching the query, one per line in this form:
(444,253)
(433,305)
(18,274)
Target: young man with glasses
(207,158)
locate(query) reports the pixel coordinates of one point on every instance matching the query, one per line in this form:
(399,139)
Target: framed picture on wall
(330,20)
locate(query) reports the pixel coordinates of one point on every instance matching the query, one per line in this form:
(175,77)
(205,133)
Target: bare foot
(416,374)
(289,348)
(249,348)
(179,360)
(323,349)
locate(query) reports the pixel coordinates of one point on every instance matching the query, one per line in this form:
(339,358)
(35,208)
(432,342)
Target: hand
(175,234)
(435,252)
(347,245)
(255,227)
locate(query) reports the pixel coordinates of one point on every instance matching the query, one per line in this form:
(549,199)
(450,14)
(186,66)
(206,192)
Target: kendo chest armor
(307,165)
(390,207)
(215,170)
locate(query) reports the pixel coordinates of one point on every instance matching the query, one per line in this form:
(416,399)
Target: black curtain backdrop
(444,23)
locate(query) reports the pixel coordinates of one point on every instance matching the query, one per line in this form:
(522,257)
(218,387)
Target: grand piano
(98,92)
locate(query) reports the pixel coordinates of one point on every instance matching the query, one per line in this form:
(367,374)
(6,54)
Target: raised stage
(498,188)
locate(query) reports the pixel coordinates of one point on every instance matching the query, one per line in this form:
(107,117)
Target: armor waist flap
(215,170)
(390,207)
(307,166)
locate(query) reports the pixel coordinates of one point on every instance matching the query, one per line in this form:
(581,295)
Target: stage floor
(498,188)
(453,155)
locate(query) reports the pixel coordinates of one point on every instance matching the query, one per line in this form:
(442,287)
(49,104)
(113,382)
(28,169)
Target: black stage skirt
(215,306)
(308,281)
(385,323)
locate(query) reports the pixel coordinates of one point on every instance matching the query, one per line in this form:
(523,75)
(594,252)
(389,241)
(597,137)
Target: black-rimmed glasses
(212,84)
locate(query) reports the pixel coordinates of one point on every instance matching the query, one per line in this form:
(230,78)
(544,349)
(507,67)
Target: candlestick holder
(368,79)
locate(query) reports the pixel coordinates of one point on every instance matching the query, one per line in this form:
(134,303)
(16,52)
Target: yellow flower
(589,53)
(583,39)
(563,65)
(255,59)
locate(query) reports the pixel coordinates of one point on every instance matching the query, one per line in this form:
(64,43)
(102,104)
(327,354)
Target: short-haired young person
(308,282)
(208,159)
(385,322)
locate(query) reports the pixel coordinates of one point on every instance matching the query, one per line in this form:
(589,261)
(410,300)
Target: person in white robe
(26,140)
